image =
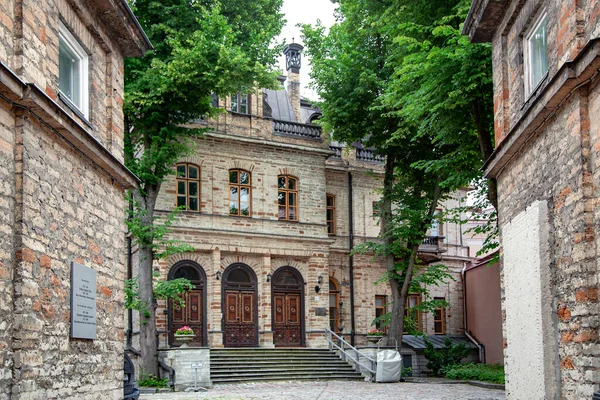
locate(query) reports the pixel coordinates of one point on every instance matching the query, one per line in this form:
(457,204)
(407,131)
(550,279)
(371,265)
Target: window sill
(535,91)
(75,109)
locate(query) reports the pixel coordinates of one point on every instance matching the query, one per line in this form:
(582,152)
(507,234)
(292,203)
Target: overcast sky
(304,12)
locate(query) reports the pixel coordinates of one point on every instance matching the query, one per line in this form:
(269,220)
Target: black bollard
(130,391)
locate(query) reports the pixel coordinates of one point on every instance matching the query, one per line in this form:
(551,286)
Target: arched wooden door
(240,307)
(194,309)
(288,307)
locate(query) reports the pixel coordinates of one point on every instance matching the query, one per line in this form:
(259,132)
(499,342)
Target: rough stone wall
(550,169)
(71,212)
(7,237)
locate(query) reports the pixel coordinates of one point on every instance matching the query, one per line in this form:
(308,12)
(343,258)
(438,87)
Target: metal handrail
(372,368)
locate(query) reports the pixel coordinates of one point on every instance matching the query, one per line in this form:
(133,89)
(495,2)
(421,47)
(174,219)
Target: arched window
(331,214)
(188,186)
(287,197)
(239,192)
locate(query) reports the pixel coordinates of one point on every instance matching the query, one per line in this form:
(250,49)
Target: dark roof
(418,342)
(280,104)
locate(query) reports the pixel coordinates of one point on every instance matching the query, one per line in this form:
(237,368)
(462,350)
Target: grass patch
(493,373)
(153,381)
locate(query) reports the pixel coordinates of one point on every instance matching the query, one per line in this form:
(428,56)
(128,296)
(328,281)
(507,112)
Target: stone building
(272,209)
(62,185)
(546,57)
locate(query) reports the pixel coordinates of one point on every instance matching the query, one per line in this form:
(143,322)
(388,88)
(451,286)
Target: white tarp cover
(389,365)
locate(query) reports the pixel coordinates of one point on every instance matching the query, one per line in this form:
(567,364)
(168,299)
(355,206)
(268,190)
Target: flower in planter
(184,331)
(374,332)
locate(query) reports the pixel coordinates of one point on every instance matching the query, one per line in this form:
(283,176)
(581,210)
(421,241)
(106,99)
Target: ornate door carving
(240,327)
(189,315)
(287,327)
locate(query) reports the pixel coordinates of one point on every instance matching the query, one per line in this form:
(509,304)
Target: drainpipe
(129,311)
(480,346)
(351,257)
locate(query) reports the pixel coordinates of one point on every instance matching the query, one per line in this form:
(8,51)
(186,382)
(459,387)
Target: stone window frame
(383,310)
(330,222)
(236,107)
(530,87)
(439,316)
(239,187)
(186,180)
(287,192)
(66,38)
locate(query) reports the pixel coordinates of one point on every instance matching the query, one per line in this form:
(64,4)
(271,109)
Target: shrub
(477,372)
(153,381)
(450,354)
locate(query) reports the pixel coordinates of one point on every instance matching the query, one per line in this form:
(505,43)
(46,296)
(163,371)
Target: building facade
(272,209)
(546,56)
(62,185)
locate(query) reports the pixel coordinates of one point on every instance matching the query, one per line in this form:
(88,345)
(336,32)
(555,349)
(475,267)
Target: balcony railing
(369,156)
(301,131)
(338,151)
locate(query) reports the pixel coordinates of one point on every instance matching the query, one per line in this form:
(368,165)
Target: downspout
(351,257)
(129,310)
(480,346)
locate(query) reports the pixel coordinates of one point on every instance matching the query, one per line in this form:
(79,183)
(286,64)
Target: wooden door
(189,315)
(287,327)
(240,326)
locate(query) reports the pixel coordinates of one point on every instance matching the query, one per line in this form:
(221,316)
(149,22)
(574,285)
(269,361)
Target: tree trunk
(148,337)
(486,147)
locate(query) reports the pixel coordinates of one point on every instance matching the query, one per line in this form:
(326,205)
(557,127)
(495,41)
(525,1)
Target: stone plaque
(320,311)
(83,302)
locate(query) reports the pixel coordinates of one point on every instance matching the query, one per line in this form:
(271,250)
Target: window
(240,103)
(436,227)
(535,51)
(413,301)
(287,197)
(376,209)
(239,192)
(72,70)
(331,214)
(188,186)
(380,311)
(439,318)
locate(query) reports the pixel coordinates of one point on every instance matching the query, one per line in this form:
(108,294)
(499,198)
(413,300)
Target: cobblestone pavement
(338,390)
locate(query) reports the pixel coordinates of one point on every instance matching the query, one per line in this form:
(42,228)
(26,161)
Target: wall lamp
(269,277)
(319,281)
(218,275)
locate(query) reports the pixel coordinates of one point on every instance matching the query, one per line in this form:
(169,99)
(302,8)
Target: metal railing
(344,354)
(303,131)
(369,156)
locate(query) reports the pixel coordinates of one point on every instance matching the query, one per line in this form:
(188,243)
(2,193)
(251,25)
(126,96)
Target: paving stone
(337,390)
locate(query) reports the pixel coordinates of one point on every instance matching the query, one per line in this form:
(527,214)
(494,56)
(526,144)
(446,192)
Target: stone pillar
(265,321)
(215,313)
(293,53)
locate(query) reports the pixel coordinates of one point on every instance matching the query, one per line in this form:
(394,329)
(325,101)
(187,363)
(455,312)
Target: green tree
(202,48)
(358,72)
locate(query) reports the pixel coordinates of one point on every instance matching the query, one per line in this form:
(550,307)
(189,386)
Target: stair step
(287,378)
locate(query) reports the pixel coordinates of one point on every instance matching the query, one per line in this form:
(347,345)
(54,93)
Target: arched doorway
(334,305)
(240,307)
(288,307)
(192,314)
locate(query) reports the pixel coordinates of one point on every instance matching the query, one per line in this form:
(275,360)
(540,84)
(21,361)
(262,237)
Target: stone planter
(184,340)
(374,339)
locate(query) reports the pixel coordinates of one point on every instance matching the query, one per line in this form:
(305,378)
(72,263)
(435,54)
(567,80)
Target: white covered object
(389,365)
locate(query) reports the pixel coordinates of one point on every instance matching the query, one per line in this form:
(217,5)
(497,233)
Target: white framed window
(73,70)
(535,49)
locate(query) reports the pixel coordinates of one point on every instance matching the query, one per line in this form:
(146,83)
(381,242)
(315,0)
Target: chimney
(293,54)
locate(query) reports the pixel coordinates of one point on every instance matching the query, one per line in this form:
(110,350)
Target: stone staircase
(246,365)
